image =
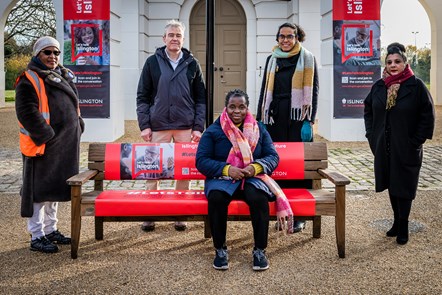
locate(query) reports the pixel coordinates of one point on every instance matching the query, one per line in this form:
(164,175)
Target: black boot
(402,235)
(394,229)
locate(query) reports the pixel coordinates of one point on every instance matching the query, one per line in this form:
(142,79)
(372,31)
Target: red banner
(177,161)
(356,9)
(86,9)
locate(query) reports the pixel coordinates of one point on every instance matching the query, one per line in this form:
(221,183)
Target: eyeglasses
(288,37)
(49,52)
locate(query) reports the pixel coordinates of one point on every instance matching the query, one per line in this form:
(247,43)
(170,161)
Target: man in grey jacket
(171,99)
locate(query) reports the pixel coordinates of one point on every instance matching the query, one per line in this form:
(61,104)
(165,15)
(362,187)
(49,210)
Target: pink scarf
(241,155)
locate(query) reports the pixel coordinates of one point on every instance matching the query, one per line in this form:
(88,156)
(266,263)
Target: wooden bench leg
(340,220)
(75,220)
(317,227)
(207,232)
(99,228)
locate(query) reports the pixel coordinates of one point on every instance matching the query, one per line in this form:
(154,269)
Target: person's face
(395,64)
(49,57)
(87,36)
(150,155)
(361,36)
(174,39)
(286,38)
(237,109)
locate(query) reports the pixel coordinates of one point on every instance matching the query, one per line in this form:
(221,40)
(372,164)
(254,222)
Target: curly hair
(80,31)
(236,93)
(299,32)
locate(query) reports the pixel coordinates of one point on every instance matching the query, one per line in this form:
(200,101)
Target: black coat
(44,177)
(396,136)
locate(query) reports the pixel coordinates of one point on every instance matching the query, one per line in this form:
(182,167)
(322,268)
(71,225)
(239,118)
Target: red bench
(298,161)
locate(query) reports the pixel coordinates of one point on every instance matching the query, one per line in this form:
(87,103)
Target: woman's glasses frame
(282,37)
(49,52)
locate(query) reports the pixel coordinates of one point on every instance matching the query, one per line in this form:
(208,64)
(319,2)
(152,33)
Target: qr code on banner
(185,171)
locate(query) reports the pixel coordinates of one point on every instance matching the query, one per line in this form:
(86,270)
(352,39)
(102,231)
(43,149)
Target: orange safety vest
(27,145)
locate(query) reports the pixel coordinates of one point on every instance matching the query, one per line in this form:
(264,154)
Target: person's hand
(249,171)
(236,173)
(306,132)
(146,134)
(195,136)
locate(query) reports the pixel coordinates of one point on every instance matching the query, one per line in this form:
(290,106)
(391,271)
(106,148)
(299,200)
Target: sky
(399,18)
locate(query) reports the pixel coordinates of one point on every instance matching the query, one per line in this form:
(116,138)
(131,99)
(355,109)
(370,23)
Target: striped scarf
(241,154)
(302,83)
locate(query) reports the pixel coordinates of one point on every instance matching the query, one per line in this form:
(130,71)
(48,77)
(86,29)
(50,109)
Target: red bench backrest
(177,161)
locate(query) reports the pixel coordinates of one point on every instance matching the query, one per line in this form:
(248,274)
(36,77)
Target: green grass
(10,95)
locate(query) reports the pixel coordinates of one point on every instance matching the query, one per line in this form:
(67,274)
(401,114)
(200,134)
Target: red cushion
(193,202)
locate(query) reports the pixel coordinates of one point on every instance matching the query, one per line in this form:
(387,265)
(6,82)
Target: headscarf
(302,83)
(241,154)
(393,83)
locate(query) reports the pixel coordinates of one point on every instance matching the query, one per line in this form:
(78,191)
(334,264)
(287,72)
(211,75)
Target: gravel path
(129,261)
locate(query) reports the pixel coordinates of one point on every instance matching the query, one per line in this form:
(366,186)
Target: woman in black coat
(399,117)
(55,137)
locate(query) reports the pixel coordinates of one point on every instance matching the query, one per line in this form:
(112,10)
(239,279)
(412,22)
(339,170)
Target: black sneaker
(298,226)
(57,237)
(43,245)
(221,261)
(260,261)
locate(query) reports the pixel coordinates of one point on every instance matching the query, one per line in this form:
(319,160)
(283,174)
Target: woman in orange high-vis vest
(50,128)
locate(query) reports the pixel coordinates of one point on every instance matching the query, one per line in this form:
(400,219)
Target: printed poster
(87,53)
(356,54)
(177,161)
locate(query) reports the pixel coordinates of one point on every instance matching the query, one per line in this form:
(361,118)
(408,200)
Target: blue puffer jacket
(212,153)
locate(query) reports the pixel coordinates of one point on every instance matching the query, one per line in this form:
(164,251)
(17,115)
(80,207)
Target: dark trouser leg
(218,204)
(394,205)
(404,208)
(259,213)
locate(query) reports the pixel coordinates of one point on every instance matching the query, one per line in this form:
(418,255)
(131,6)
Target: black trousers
(259,212)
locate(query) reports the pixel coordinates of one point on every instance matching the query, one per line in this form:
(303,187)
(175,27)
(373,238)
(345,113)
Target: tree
(423,66)
(27,21)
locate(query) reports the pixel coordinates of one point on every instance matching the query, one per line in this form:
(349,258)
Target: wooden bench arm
(82,177)
(336,178)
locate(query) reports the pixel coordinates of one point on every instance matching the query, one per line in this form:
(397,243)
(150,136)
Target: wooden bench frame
(328,203)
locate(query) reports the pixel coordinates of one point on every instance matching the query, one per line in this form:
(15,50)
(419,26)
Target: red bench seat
(192,202)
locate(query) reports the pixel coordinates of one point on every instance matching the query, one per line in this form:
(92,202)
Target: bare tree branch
(29,20)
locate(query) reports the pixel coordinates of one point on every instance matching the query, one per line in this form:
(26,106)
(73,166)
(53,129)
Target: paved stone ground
(355,163)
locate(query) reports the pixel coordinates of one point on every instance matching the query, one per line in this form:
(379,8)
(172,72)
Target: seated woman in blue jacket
(237,155)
